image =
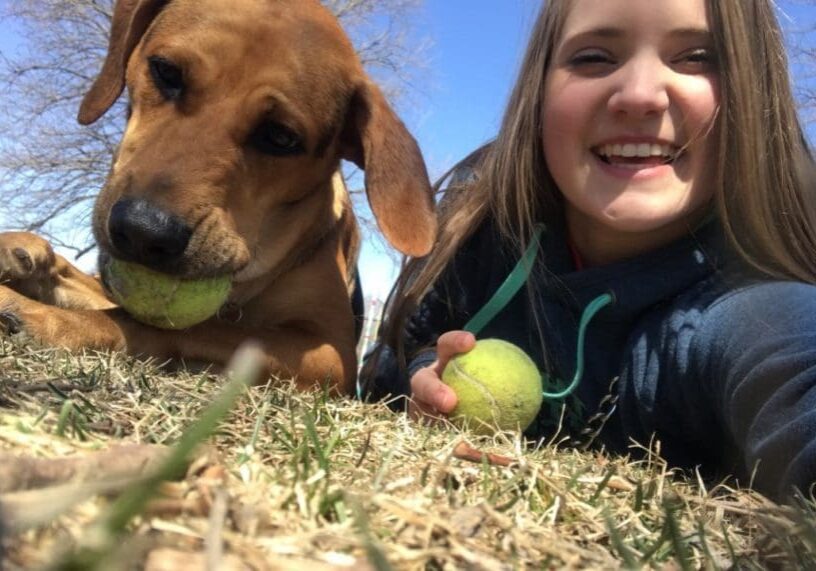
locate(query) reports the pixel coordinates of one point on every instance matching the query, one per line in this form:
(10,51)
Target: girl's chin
(646,219)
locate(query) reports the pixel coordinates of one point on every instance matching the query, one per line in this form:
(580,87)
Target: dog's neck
(323,230)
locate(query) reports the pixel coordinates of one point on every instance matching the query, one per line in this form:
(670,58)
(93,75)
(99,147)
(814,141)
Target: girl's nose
(641,90)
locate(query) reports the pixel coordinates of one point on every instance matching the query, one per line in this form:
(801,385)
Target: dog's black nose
(143,233)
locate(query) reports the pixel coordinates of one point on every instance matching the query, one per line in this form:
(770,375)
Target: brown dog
(240,111)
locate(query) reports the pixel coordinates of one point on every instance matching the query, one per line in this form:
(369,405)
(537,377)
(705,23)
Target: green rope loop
(510,287)
(589,312)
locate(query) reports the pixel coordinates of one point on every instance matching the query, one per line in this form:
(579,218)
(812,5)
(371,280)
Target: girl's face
(629,102)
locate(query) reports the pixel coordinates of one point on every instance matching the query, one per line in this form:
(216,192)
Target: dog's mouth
(191,246)
(105,260)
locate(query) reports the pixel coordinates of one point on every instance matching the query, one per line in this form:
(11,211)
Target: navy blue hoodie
(717,364)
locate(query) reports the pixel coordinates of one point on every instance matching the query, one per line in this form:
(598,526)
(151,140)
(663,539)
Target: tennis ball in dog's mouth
(162,300)
(498,386)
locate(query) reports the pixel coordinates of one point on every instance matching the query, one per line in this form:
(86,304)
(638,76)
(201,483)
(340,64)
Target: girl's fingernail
(445,400)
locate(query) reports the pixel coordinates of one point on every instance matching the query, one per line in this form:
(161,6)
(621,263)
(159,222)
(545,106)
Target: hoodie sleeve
(760,348)
(447,306)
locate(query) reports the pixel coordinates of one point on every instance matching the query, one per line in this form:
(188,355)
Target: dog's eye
(274,139)
(168,77)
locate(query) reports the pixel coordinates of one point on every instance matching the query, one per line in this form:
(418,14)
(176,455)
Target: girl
(652,163)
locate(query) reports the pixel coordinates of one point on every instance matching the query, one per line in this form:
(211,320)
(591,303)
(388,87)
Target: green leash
(510,287)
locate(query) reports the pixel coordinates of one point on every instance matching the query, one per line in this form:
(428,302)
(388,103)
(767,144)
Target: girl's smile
(637,157)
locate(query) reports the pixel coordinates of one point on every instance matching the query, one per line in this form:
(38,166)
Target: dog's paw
(28,265)
(10,322)
(55,326)
(24,256)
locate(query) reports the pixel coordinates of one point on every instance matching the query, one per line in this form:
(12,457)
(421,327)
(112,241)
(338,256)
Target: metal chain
(595,423)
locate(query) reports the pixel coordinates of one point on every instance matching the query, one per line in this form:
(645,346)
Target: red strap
(577,261)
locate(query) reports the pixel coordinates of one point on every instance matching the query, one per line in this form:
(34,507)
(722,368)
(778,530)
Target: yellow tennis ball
(498,387)
(162,300)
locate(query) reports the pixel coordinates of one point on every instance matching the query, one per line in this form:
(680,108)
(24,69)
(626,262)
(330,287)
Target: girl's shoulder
(719,327)
(727,310)
(763,304)
(725,314)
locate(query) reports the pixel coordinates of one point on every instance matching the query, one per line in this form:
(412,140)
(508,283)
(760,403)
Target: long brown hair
(765,195)
(766,184)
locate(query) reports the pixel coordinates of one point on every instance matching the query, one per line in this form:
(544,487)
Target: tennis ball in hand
(498,386)
(162,300)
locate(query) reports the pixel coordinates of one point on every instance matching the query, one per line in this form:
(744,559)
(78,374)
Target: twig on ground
(464,451)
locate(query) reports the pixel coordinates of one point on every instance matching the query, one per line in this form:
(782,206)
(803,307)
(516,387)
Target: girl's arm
(761,353)
(454,297)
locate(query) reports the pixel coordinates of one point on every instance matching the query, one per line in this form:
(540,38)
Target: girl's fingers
(430,394)
(451,344)
(430,397)
(420,413)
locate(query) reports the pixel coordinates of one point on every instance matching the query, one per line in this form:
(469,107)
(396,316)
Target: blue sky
(476,47)
(457,100)
(475,51)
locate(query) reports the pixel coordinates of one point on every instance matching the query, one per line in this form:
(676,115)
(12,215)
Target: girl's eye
(591,62)
(589,57)
(698,60)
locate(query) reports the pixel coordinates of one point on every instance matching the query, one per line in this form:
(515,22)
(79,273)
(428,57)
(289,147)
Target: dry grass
(305,481)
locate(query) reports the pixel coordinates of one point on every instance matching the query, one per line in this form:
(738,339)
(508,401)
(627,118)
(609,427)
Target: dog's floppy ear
(396,179)
(131,19)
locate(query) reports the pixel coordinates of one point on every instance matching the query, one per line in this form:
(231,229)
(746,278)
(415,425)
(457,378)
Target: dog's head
(239,113)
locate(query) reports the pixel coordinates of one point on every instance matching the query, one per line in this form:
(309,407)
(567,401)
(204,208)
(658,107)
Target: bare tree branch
(799,35)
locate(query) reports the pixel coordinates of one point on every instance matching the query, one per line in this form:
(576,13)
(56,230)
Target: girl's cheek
(564,110)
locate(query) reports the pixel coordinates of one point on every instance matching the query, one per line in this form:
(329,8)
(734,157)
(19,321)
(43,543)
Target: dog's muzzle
(141,232)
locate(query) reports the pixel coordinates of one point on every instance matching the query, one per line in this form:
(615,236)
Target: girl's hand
(430,397)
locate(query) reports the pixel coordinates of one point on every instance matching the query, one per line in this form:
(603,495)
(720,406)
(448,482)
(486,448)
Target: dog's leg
(55,326)
(308,352)
(309,356)
(29,265)
(314,353)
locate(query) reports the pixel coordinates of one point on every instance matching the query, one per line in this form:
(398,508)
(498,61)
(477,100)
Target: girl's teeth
(641,150)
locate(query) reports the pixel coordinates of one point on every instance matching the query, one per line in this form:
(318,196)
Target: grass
(294,480)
